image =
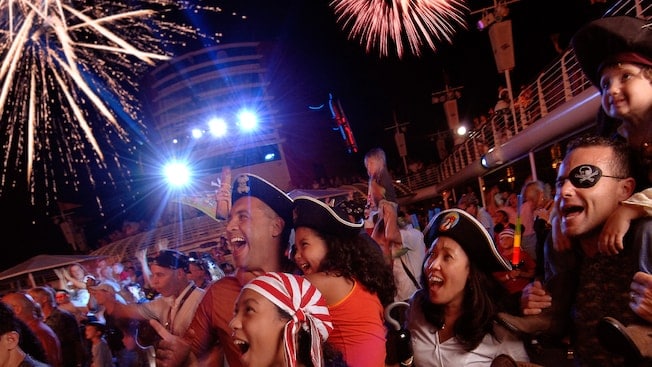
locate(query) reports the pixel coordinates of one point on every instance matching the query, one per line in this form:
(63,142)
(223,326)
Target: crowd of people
(312,281)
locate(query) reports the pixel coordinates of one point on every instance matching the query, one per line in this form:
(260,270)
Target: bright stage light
(247,120)
(197,133)
(217,127)
(177,174)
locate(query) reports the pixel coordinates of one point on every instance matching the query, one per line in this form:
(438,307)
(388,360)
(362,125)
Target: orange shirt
(210,326)
(358,328)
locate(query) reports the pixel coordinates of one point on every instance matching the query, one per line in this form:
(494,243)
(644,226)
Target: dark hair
(483,299)
(621,164)
(332,356)
(359,257)
(199,262)
(28,342)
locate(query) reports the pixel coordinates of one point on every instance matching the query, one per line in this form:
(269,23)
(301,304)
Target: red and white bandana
(297,296)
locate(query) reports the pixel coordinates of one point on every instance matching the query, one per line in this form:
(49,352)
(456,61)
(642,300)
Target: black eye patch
(584,176)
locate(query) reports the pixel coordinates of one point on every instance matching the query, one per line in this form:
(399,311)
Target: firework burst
(406,25)
(69,75)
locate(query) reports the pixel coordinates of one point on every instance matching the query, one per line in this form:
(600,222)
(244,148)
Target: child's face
(91,331)
(310,250)
(258,328)
(374,166)
(506,242)
(626,93)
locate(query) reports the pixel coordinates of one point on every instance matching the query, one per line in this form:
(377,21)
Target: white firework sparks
(381,24)
(69,78)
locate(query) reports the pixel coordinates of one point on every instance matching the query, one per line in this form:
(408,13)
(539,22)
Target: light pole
(502,44)
(448,97)
(401,145)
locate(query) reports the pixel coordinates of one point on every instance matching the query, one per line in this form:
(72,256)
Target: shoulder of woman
(502,333)
(332,287)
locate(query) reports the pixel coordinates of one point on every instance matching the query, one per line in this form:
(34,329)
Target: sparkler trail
(411,24)
(69,73)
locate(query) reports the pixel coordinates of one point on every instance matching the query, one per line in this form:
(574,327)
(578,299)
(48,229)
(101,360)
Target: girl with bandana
(281,319)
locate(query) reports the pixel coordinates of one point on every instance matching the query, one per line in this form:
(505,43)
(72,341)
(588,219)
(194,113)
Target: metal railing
(555,85)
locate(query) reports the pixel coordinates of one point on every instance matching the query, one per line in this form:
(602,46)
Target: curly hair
(483,299)
(359,257)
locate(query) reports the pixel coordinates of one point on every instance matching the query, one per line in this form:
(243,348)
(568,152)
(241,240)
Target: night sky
(311,58)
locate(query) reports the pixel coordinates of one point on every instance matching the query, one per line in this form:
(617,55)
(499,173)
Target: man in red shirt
(258,229)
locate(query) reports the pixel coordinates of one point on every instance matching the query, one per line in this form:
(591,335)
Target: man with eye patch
(594,177)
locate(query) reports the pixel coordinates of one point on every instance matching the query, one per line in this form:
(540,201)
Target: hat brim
(249,185)
(471,235)
(315,214)
(607,37)
(170,259)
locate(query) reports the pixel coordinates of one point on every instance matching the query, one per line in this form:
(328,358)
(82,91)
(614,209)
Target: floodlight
(488,18)
(483,162)
(247,120)
(217,127)
(177,174)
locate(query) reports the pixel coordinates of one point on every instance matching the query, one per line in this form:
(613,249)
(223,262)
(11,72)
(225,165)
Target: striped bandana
(296,296)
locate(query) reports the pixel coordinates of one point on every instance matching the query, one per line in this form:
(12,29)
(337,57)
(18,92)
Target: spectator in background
(170,280)
(381,198)
(74,279)
(470,204)
(493,200)
(502,221)
(521,275)
(375,162)
(534,201)
(25,309)
(19,347)
(198,273)
(107,276)
(62,298)
(407,267)
(523,105)
(133,354)
(203,270)
(511,206)
(504,103)
(100,352)
(63,323)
